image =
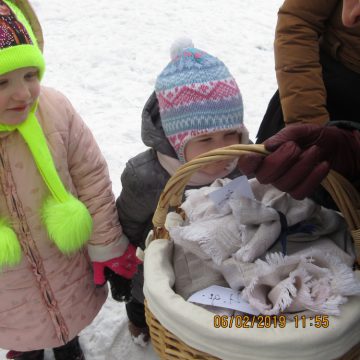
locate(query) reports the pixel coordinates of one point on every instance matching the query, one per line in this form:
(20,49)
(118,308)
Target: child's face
(19,89)
(203,143)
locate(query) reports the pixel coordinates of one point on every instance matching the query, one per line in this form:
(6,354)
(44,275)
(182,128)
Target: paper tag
(240,186)
(223,297)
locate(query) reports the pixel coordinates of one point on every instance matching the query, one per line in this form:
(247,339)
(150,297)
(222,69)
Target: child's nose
(221,143)
(21,93)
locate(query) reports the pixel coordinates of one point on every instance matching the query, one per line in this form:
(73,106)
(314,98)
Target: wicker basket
(170,346)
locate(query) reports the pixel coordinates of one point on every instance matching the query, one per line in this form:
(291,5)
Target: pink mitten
(124,265)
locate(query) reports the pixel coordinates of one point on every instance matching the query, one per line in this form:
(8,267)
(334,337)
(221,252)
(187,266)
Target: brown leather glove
(302,155)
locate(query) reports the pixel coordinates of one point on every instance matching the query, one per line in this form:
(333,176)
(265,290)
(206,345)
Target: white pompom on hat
(179,45)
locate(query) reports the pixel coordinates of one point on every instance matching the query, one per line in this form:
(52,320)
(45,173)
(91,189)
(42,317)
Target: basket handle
(341,190)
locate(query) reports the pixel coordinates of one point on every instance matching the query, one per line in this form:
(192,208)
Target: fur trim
(10,250)
(68,223)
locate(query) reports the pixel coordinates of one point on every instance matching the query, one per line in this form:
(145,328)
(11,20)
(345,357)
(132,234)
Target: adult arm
(297,62)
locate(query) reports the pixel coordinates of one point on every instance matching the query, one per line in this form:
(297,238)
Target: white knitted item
(315,281)
(218,238)
(317,276)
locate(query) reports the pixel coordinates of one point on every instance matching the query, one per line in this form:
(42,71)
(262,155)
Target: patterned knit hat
(197,95)
(18,44)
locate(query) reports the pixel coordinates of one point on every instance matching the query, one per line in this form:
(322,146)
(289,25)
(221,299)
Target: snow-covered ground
(105,56)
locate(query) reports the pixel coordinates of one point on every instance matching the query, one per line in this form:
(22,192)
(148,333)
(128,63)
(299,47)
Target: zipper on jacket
(51,303)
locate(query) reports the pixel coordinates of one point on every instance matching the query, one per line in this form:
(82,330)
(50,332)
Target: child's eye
(31,75)
(3,82)
(204,139)
(232,133)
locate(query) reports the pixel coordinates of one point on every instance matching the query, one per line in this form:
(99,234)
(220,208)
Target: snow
(106,59)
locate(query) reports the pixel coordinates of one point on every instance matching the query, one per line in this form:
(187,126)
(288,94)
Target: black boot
(69,351)
(25,355)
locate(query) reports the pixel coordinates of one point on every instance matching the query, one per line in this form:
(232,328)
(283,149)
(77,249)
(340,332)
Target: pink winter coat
(49,298)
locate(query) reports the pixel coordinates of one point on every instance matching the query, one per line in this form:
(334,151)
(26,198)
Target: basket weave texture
(167,345)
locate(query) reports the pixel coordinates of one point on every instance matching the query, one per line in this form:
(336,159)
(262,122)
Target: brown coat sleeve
(299,75)
(90,176)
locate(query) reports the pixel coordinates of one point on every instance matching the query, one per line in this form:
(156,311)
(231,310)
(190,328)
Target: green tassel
(10,250)
(69,223)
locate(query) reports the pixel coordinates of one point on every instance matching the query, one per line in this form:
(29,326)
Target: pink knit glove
(124,265)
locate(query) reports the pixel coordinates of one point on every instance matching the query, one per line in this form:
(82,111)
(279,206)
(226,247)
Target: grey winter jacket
(144,178)
(142,183)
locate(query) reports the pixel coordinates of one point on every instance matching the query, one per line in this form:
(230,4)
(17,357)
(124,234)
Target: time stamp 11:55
(269,321)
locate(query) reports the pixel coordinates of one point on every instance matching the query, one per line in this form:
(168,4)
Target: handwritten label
(223,297)
(238,186)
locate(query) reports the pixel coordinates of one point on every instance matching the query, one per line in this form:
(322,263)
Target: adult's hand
(302,155)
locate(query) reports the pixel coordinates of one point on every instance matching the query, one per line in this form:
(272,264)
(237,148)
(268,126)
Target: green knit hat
(18,44)
(67,220)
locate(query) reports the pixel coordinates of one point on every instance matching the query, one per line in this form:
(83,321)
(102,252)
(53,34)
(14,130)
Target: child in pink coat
(59,230)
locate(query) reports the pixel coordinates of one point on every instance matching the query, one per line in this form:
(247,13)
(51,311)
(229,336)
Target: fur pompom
(69,224)
(179,45)
(10,250)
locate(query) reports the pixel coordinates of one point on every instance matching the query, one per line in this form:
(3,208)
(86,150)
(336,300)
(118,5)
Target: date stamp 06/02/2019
(269,321)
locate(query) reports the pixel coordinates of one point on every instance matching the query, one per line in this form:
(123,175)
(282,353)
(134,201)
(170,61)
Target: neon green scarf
(67,220)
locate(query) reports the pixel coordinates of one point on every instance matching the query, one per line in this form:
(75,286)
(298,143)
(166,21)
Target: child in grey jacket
(196,107)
